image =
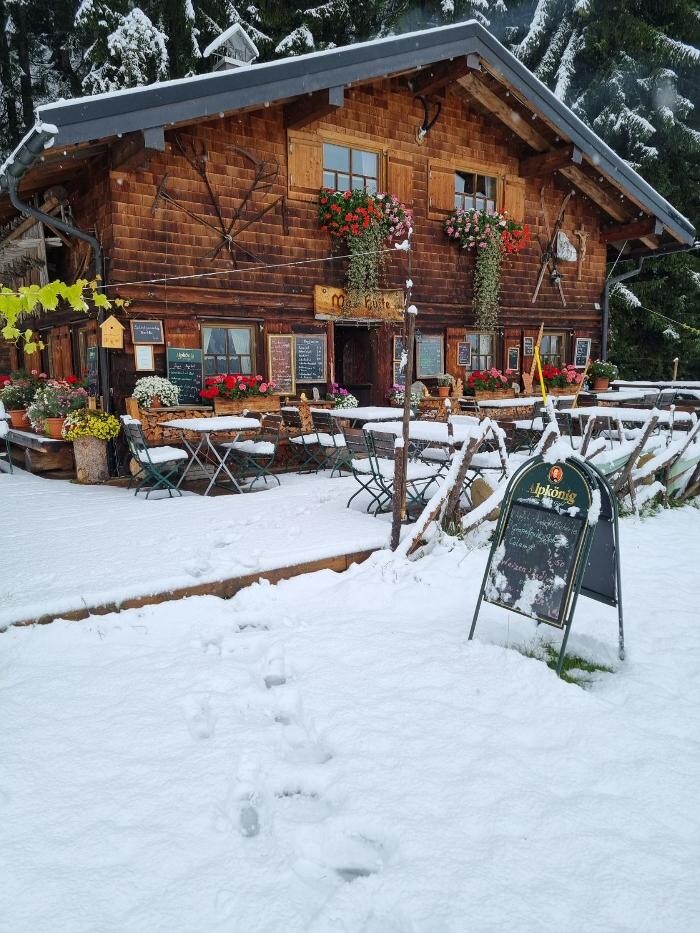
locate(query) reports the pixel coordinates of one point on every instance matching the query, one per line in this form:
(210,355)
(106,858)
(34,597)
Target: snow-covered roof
(184,100)
(235,31)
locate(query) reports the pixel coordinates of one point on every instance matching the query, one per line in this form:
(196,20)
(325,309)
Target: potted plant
(493,236)
(601,374)
(53,402)
(561,381)
(397,395)
(445,384)
(232,395)
(17,394)
(90,431)
(340,397)
(362,223)
(156,392)
(490,383)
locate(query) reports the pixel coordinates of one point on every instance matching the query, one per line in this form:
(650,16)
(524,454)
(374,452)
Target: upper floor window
(345,169)
(474,191)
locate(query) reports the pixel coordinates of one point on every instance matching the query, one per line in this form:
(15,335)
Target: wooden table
(42,454)
(435,432)
(367,413)
(204,448)
(519,401)
(635,415)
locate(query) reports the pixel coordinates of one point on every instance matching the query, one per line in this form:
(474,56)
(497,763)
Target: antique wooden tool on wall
(548,260)
(228,229)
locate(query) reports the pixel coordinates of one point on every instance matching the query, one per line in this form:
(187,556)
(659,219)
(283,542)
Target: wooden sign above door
(331,304)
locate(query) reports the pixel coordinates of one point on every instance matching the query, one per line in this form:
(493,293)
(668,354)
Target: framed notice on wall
(143,358)
(185,371)
(528,346)
(464,355)
(280,362)
(582,352)
(429,355)
(147,332)
(513,358)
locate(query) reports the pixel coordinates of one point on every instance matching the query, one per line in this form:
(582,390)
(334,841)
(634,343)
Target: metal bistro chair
(419,476)
(4,434)
(157,464)
(360,456)
(330,441)
(527,431)
(257,455)
(307,443)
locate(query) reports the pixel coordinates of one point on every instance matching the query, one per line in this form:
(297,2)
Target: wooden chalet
(197,200)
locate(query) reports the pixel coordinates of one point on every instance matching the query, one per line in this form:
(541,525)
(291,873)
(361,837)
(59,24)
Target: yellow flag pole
(538,361)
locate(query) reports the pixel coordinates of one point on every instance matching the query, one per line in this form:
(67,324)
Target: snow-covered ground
(331,754)
(65,546)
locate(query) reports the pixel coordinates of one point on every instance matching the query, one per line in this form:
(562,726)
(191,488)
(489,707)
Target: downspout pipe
(30,211)
(610,283)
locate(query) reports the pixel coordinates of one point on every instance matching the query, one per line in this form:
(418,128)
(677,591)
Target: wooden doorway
(354,361)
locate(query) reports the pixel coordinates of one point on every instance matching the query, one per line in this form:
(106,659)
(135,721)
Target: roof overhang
(170,103)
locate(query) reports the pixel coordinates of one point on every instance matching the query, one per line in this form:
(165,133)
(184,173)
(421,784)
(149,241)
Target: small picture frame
(513,359)
(582,352)
(528,346)
(144,360)
(464,355)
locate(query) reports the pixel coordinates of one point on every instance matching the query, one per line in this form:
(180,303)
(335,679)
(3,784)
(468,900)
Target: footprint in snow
(274,669)
(344,855)
(199,717)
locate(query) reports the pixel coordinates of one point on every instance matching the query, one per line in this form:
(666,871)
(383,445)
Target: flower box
(493,393)
(231,406)
(565,390)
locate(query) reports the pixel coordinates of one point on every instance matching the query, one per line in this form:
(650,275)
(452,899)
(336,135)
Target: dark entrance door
(354,361)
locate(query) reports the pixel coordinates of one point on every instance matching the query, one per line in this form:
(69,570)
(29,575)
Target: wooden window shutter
(514,197)
(441,189)
(399,179)
(305,165)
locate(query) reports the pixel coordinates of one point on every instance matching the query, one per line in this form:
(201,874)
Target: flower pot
(235,406)
(155,402)
(90,460)
(52,427)
(443,391)
(601,383)
(18,419)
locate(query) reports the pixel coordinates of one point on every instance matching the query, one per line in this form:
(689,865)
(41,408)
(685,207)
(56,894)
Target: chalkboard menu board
(280,356)
(185,371)
(429,357)
(91,359)
(310,358)
(557,536)
(535,563)
(582,351)
(147,332)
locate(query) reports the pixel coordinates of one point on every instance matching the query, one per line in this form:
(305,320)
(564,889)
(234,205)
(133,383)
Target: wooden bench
(39,454)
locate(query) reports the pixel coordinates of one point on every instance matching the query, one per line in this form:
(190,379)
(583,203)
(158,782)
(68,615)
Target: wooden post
(401,461)
(675,369)
(528,379)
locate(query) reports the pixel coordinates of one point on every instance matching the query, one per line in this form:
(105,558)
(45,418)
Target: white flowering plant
(151,387)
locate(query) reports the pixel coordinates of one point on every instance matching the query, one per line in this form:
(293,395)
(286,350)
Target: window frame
(462,197)
(227,326)
(476,353)
(547,358)
(351,148)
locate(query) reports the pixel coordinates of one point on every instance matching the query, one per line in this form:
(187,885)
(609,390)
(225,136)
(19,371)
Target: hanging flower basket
(492,235)
(363,223)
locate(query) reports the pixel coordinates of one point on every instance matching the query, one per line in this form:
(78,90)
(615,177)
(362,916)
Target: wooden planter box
(563,390)
(230,406)
(493,393)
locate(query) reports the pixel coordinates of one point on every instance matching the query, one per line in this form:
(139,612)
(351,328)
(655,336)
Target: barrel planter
(236,406)
(90,460)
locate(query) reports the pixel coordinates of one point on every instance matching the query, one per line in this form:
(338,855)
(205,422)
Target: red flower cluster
(235,387)
(351,213)
(514,241)
(555,378)
(487,379)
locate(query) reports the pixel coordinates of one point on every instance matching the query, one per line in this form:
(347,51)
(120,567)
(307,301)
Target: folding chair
(330,442)
(527,431)
(257,454)
(157,464)
(307,443)
(4,434)
(361,465)
(419,476)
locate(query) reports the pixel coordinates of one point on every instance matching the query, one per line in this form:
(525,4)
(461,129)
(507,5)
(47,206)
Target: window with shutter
(305,166)
(441,189)
(400,179)
(514,197)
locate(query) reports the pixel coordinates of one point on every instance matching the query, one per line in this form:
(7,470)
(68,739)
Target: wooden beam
(49,205)
(134,150)
(547,162)
(610,204)
(438,76)
(520,125)
(647,227)
(305,110)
